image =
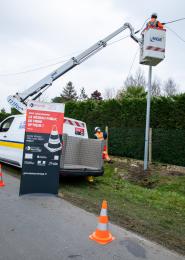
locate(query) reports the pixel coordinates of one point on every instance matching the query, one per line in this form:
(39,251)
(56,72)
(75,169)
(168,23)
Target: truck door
(10,147)
(5,146)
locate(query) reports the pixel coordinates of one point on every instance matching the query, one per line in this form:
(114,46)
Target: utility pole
(147,119)
(150,147)
(152,52)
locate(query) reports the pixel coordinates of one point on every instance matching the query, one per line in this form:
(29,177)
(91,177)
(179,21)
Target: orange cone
(2,184)
(102,235)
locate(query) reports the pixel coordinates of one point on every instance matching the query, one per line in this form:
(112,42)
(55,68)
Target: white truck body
(12,131)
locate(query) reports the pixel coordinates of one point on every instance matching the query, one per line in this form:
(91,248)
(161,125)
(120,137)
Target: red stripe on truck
(75,123)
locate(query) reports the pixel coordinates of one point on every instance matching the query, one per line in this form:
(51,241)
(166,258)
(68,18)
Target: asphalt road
(44,227)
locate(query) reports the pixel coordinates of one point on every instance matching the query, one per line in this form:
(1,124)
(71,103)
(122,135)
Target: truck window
(6,124)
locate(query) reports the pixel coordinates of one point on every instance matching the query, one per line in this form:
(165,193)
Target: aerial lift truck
(152,51)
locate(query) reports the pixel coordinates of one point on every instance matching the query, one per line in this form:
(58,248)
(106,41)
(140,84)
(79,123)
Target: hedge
(168,146)
(166,112)
(126,121)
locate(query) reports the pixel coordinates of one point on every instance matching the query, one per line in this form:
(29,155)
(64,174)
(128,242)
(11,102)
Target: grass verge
(155,211)
(153,207)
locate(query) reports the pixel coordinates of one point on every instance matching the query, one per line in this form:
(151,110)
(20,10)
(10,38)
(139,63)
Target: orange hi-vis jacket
(103,136)
(154,23)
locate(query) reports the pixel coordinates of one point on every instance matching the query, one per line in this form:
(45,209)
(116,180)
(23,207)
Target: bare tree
(109,93)
(134,86)
(83,95)
(138,80)
(170,87)
(130,81)
(156,88)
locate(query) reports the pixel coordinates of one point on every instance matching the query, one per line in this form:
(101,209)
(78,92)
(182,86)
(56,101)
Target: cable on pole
(129,35)
(174,21)
(31,70)
(133,61)
(178,36)
(62,61)
(142,26)
(118,40)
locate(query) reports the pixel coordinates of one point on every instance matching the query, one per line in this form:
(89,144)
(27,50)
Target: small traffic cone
(2,184)
(102,235)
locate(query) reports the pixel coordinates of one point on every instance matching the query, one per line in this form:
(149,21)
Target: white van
(81,156)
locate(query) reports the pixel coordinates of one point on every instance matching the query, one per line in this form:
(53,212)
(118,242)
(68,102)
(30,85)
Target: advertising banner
(42,148)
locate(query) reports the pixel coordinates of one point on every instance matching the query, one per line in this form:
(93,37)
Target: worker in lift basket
(102,136)
(154,23)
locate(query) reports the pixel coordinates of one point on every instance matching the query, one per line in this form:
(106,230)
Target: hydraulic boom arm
(19,100)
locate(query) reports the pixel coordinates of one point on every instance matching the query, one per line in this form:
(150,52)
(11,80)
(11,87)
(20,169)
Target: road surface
(44,227)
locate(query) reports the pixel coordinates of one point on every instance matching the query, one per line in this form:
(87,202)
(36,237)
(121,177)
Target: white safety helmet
(154,15)
(97,129)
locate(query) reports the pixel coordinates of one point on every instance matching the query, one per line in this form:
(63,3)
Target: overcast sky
(36,33)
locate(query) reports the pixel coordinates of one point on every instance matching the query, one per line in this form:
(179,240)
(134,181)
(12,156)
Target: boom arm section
(19,100)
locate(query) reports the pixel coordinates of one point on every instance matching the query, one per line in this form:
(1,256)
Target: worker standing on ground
(102,136)
(154,23)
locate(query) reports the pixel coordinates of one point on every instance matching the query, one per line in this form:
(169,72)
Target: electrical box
(152,50)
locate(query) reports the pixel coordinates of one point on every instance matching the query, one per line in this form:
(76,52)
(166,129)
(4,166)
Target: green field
(153,206)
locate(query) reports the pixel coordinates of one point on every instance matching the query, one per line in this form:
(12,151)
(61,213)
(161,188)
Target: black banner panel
(42,148)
